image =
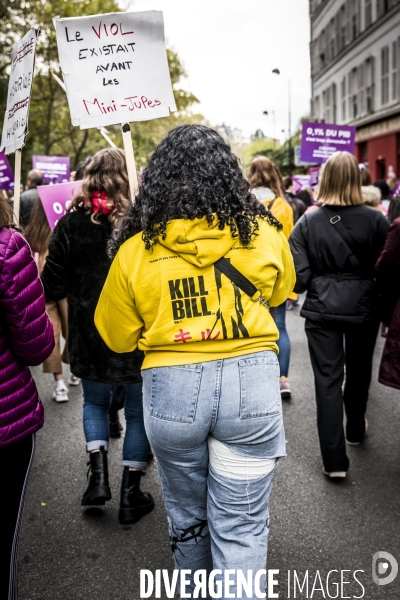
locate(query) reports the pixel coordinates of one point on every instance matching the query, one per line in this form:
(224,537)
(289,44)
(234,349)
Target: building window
(383,7)
(362,90)
(332,49)
(343,95)
(368,99)
(368,79)
(368,13)
(343,26)
(333,103)
(354,102)
(317,108)
(395,60)
(385,75)
(354,26)
(354,20)
(354,89)
(321,49)
(327,105)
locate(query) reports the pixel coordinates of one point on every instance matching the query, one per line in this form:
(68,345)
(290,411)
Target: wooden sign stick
(105,136)
(17,185)
(130,160)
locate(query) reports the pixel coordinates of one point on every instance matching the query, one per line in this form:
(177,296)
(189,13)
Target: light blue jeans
(215,521)
(96,402)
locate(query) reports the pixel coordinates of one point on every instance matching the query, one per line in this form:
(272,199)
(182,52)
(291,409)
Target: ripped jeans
(216,429)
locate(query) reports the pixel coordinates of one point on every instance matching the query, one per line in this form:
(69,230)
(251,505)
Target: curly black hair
(192,174)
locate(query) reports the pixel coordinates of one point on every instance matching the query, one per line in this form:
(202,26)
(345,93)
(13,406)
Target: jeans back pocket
(259,387)
(174,393)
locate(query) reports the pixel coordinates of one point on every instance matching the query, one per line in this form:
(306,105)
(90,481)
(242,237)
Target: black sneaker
(353,441)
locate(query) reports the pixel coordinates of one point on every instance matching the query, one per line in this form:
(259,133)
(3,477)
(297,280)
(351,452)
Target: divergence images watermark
(381,573)
(249,584)
(240,584)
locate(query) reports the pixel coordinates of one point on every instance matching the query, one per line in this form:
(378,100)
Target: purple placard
(300,182)
(6,174)
(56,199)
(55,169)
(320,140)
(396,190)
(314,176)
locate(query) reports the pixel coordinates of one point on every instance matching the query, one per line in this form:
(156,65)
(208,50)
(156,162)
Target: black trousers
(332,347)
(15,463)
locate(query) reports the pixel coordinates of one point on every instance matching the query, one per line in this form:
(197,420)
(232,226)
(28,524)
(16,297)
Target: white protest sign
(115,68)
(15,125)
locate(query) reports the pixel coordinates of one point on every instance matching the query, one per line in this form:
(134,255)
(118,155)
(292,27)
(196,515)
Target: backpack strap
(232,273)
(336,221)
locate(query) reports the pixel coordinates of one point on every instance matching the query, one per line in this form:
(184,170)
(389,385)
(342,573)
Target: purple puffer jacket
(26,338)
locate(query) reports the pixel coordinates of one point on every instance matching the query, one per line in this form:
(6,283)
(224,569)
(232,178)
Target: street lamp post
(265,112)
(290,149)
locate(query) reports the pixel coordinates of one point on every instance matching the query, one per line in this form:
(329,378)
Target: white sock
(60,385)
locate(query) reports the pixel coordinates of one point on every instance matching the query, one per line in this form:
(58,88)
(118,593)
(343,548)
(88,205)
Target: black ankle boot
(98,490)
(115,425)
(134,503)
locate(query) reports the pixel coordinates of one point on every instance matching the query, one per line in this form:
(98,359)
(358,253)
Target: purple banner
(56,199)
(55,169)
(6,174)
(320,140)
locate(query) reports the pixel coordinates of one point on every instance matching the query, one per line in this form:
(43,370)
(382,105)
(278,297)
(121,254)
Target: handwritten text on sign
(19,93)
(115,68)
(57,198)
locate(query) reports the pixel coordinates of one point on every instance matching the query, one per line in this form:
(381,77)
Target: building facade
(355,68)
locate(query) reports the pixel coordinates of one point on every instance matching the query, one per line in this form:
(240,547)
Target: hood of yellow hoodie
(196,241)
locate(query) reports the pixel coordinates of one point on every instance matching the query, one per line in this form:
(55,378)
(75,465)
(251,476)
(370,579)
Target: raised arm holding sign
(115,71)
(15,126)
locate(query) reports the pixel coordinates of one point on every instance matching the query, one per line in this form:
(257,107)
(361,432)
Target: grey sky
(229,48)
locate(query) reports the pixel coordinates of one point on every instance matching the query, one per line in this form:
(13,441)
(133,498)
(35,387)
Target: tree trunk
(81,147)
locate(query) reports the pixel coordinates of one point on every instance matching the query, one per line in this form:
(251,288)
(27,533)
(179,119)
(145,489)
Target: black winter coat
(338,288)
(76,267)
(388,271)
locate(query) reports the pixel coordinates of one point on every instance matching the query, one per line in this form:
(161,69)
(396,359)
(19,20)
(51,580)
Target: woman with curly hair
(76,267)
(212,405)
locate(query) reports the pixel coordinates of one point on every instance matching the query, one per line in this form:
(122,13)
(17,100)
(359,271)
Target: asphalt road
(68,553)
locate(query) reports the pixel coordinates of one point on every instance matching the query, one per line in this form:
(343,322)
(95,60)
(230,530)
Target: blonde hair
(340,183)
(106,172)
(263,173)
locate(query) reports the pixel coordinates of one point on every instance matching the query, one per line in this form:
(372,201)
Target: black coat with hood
(76,267)
(339,289)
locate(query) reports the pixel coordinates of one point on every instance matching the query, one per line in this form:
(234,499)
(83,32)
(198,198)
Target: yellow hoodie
(175,305)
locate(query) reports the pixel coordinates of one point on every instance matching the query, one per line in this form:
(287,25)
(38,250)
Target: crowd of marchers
(174,306)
